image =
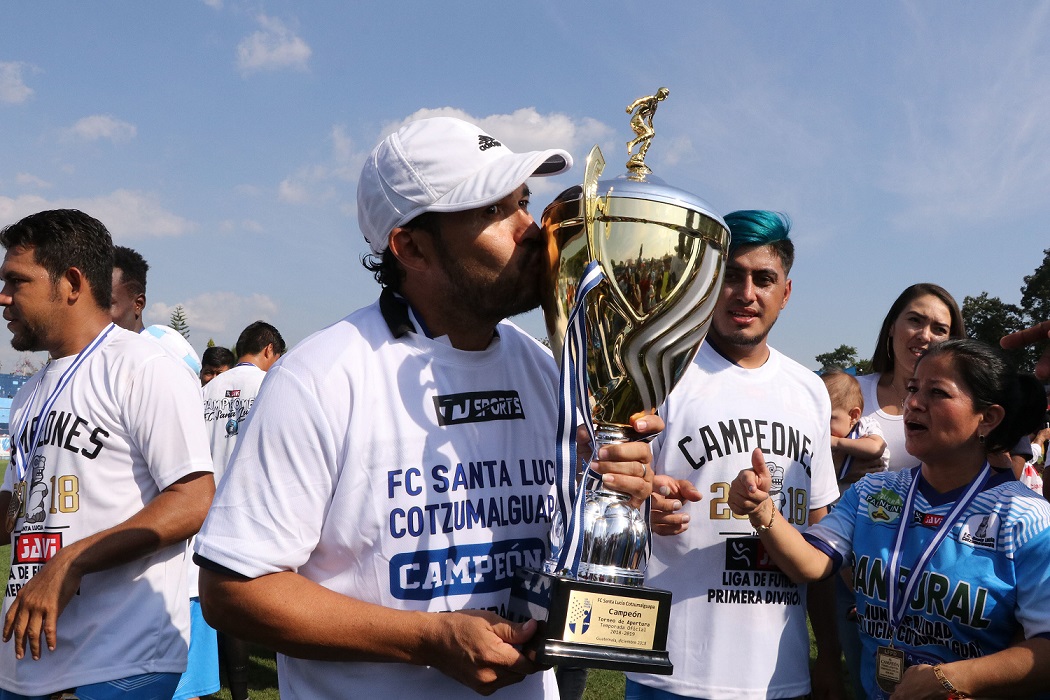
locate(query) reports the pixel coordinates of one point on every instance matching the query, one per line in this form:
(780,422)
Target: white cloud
(325,181)
(213,4)
(523,130)
(30,180)
(127,214)
(218,315)
(273,47)
(102,126)
(13,89)
(249,225)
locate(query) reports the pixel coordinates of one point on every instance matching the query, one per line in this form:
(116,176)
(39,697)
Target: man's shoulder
(796,369)
(233,378)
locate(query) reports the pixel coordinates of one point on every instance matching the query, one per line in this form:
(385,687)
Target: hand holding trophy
(635,270)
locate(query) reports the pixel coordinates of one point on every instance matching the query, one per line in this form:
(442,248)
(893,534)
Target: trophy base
(588,624)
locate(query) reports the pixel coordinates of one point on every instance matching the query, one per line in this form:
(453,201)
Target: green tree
(990,318)
(179,323)
(1035,294)
(1035,302)
(211,343)
(842,357)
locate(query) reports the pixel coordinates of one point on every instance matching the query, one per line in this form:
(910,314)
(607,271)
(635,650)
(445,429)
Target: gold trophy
(661,252)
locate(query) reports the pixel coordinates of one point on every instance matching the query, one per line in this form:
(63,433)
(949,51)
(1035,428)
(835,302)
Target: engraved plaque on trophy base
(593,625)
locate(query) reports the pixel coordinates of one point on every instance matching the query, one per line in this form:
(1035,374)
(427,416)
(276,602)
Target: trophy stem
(616,534)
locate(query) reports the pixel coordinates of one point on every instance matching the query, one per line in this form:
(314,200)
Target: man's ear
(412,247)
(72,284)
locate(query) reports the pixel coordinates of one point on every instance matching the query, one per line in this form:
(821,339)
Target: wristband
(953,692)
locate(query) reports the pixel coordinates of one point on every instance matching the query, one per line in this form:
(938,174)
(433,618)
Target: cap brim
(496,181)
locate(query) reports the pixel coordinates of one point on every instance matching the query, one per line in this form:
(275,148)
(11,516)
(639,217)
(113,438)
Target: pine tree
(179,323)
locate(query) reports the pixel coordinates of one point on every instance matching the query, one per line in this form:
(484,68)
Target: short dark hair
(992,380)
(217,356)
(133,268)
(256,337)
(760,228)
(65,238)
(882,361)
(386,268)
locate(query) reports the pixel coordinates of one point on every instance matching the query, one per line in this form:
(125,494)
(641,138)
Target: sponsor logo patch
(884,506)
(981,530)
(928,519)
(478,407)
(37,547)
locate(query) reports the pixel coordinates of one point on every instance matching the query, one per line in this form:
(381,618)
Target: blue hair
(759,227)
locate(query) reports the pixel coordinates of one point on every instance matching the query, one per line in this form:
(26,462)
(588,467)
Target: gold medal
(889,668)
(13,507)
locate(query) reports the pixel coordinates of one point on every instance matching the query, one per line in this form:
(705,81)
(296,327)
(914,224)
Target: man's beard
(513,292)
(28,340)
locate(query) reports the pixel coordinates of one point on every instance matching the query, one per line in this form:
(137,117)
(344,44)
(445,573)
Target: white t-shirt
(227,400)
(126,427)
(397,471)
(892,426)
(738,625)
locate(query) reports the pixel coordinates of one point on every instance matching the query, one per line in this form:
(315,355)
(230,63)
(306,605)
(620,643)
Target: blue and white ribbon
(847,462)
(897,602)
(572,389)
(20,459)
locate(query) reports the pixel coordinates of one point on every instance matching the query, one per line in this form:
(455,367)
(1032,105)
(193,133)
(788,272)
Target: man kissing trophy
(636,266)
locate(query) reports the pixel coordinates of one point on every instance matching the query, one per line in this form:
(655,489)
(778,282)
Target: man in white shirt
(110,475)
(738,396)
(396,467)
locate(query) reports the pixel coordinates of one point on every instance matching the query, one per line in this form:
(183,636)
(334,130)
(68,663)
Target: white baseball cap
(441,164)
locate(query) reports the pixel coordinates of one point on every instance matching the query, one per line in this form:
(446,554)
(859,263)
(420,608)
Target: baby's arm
(864,447)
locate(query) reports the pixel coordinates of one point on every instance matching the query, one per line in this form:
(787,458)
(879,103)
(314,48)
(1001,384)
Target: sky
(222,139)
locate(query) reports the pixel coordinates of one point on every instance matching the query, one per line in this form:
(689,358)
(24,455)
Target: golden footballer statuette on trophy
(636,266)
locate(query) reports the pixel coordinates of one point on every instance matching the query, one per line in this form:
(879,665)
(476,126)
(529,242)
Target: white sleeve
(269,510)
(162,411)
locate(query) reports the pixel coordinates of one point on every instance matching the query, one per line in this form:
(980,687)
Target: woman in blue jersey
(968,545)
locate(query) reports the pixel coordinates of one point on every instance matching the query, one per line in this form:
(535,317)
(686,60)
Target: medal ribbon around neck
(897,606)
(22,461)
(847,462)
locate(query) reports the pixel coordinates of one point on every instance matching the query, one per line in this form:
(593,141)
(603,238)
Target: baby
(853,437)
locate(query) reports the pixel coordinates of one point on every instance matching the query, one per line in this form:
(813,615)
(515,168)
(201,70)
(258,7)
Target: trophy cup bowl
(663,252)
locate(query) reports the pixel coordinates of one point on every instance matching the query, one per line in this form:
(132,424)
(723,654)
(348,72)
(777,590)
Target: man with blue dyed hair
(738,396)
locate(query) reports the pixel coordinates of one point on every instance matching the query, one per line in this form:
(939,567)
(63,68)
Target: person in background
(924,314)
(853,434)
(214,362)
(128,299)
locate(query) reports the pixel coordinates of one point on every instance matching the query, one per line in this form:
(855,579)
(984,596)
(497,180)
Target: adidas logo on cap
(486,142)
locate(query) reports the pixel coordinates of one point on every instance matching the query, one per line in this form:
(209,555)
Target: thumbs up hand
(750,489)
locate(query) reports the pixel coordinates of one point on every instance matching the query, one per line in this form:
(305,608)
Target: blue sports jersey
(987,581)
